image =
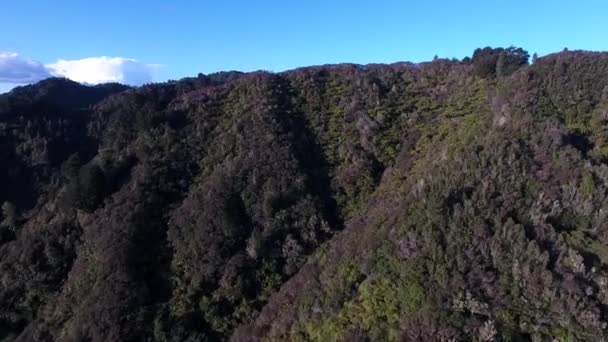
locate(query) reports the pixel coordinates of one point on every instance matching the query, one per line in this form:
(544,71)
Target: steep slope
(40,126)
(493,231)
(444,200)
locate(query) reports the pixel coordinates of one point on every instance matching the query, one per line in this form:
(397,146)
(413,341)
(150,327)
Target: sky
(135,42)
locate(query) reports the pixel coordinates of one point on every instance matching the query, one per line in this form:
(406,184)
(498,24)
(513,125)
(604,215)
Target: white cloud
(15,69)
(103,69)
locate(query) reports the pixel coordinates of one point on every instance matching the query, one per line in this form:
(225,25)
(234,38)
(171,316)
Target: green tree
(86,190)
(9,213)
(484,62)
(70,167)
(92,183)
(497,62)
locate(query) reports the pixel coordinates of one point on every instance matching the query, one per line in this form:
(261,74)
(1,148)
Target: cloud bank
(16,70)
(103,69)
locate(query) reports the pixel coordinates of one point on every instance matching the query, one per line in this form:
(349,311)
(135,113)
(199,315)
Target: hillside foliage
(448,200)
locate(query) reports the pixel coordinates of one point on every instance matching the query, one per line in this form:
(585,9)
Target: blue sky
(172,39)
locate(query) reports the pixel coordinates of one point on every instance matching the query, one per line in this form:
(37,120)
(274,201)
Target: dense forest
(452,200)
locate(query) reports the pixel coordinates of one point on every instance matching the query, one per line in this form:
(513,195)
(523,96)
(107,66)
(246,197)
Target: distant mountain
(449,200)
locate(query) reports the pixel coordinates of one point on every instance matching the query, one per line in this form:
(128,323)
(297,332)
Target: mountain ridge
(450,200)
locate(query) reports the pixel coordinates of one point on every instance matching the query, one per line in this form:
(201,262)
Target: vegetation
(449,200)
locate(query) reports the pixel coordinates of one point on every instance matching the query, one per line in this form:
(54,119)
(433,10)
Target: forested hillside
(452,200)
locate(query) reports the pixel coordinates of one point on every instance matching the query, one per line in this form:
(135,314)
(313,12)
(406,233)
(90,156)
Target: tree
(489,62)
(70,167)
(86,190)
(254,244)
(92,181)
(512,59)
(535,58)
(9,212)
